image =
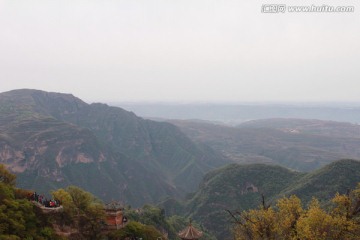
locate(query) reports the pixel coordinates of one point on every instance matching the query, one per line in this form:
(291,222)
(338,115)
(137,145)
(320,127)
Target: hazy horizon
(170,51)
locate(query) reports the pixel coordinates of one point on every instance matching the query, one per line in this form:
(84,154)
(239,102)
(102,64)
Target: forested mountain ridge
(238,187)
(53,140)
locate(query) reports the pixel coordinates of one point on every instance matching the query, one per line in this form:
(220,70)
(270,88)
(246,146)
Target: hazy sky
(180,50)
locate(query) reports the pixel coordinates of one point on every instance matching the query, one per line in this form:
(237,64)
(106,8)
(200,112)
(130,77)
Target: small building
(114,216)
(190,233)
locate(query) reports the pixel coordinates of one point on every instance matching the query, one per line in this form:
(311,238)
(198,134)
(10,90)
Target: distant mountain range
(236,113)
(238,187)
(52,140)
(299,144)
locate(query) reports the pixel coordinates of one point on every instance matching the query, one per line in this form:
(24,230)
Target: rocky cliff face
(28,143)
(53,140)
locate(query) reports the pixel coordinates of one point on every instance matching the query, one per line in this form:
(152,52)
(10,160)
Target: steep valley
(299,144)
(53,140)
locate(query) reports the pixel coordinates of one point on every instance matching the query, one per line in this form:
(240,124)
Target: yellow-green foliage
(6,177)
(136,230)
(288,220)
(18,218)
(81,210)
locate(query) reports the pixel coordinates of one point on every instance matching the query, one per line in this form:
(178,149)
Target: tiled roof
(190,233)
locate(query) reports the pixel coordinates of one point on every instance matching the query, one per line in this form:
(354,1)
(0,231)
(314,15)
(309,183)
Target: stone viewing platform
(45,209)
(46,206)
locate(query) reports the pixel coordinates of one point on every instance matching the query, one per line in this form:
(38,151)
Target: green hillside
(239,187)
(339,176)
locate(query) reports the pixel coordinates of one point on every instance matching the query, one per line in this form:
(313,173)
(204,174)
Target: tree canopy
(18,216)
(82,210)
(289,220)
(6,177)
